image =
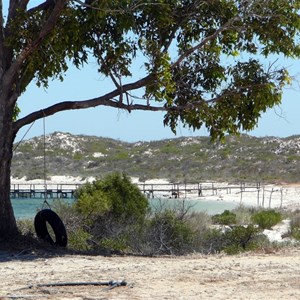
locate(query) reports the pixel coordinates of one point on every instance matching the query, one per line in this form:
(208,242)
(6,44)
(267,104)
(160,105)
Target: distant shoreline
(285,195)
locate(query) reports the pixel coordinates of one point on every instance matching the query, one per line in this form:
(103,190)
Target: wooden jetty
(181,190)
(51,191)
(151,190)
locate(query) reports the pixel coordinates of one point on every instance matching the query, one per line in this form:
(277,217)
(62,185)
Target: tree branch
(43,6)
(204,41)
(132,7)
(105,100)
(14,69)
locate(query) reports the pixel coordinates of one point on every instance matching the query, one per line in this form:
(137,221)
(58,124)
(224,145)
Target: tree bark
(8,226)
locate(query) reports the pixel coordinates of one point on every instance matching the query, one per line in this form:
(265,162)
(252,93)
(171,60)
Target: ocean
(26,208)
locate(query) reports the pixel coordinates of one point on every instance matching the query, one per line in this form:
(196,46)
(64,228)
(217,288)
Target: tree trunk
(8,225)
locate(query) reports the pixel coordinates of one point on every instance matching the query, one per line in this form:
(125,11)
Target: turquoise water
(26,208)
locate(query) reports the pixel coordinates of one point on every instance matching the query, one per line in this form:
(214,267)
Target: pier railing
(43,191)
(182,190)
(151,190)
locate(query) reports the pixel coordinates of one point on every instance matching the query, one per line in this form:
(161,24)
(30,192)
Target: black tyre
(40,225)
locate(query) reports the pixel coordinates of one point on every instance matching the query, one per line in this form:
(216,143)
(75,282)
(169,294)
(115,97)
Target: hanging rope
(23,137)
(45,204)
(45,170)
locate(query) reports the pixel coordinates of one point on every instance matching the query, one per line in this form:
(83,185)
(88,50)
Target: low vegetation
(266,219)
(185,159)
(111,215)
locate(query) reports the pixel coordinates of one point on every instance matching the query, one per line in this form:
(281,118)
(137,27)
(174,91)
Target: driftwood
(111,284)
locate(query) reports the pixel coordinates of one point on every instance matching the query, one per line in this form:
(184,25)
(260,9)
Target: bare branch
(105,100)
(111,75)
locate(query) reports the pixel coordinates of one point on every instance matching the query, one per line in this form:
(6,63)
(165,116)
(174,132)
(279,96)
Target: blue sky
(281,121)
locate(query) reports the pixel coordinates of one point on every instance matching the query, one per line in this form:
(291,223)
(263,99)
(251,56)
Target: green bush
(295,233)
(114,194)
(231,240)
(241,238)
(212,241)
(225,218)
(164,233)
(111,207)
(26,227)
(78,240)
(295,224)
(266,219)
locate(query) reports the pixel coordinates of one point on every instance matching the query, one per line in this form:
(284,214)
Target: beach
(273,275)
(265,274)
(286,196)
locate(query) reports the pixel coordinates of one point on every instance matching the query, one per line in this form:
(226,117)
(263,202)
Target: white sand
(262,276)
(267,196)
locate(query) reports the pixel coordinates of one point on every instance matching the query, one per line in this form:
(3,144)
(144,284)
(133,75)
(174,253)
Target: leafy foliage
(114,195)
(184,68)
(225,218)
(164,231)
(241,238)
(294,217)
(233,240)
(111,207)
(168,234)
(266,219)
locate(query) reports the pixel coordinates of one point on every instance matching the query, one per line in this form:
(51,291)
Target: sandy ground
(246,276)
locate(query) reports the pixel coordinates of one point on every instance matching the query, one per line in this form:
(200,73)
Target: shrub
(199,221)
(295,224)
(111,207)
(79,240)
(26,227)
(232,240)
(243,215)
(91,201)
(241,238)
(226,218)
(164,233)
(78,235)
(114,194)
(266,219)
(212,241)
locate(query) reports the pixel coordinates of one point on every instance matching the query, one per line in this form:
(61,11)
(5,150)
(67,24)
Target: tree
(205,63)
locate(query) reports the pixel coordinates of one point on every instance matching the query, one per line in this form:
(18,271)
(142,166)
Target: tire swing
(40,224)
(48,216)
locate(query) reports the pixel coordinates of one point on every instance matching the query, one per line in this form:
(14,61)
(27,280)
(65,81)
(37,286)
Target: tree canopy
(203,62)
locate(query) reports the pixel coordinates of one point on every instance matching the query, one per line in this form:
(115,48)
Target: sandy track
(247,276)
